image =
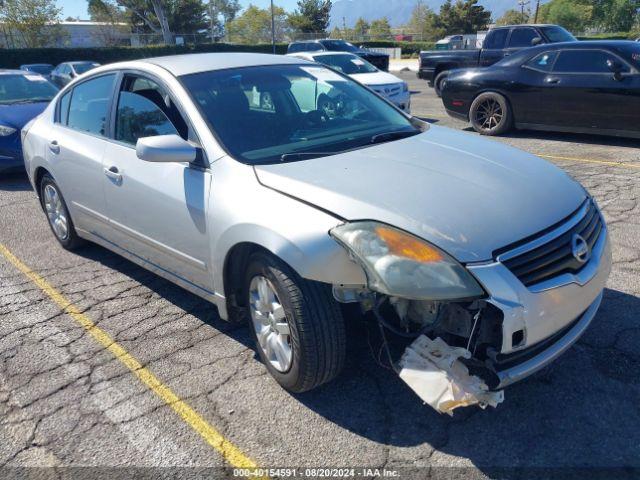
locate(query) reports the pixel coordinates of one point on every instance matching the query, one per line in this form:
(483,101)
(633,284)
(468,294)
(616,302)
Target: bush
(13,58)
(610,36)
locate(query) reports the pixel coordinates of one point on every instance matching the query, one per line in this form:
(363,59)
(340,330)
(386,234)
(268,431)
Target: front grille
(555,257)
(388,90)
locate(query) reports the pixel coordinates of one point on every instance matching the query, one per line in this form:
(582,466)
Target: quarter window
(63,108)
(145,110)
(543,62)
(584,61)
(90,104)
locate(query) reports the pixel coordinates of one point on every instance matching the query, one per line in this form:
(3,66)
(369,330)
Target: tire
(438,82)
(55,208)
(316,338)
(490,114)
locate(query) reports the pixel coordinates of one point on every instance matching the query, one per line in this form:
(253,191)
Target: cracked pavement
(66,401)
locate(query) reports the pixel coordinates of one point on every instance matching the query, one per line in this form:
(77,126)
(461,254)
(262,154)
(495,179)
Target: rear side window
(496,39)
(584,61)
(522,37)
(295,47)
(90,104)
(542,62)
(314,47)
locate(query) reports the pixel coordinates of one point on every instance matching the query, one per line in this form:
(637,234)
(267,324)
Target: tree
(35,23)
(465,16)
(311,16)
(220,13)
(514,17)
(111,19)
(380,29)
(574,15)
(254,25)
(425,22)
(361,28)
(615,15)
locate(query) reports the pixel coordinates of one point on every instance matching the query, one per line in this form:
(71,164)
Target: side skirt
(593,131)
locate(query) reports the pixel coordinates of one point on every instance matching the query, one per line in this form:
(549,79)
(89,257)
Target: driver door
(157,210)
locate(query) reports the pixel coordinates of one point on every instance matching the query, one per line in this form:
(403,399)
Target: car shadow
(578,138)
(564,415)
(14,182)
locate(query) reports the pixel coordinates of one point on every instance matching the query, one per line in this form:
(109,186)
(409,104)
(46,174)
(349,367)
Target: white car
(388,86)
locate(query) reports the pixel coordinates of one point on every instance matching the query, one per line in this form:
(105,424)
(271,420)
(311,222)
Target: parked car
(249,196)
(379,60)
(43,69)
(589,87)
(383,83)
(65,72)
(23,95)
(500,42)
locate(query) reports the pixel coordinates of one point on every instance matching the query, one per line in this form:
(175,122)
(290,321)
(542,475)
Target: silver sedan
(224,174)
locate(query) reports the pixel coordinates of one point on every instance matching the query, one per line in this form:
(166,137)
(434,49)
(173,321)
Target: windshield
(338,46)
(631,51)
(80,68)
(347,64)
(43,69)
(25,89)
(557,34)
(273,113)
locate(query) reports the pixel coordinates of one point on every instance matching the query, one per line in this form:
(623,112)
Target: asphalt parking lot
(70,398)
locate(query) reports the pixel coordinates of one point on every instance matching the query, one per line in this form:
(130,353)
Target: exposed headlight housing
(6,131)
(401,265)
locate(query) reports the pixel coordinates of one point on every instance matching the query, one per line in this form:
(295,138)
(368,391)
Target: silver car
(220,173)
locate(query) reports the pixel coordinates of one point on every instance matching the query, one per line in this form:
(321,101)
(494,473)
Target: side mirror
(165,148)
(536,41)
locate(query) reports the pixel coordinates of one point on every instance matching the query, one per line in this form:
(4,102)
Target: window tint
(584,61)
(557,34)
(295,47)
(543,62)
(496,38)
(63,108)
(139,117)
(146,110)
(89,105)
(522,37)
(313,47)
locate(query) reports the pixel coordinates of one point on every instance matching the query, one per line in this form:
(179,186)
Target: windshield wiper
(387,136)
(297,155)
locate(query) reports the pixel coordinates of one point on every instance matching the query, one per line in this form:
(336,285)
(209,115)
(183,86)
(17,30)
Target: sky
(78,8)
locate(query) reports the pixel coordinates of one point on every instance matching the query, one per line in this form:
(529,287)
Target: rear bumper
(425,74)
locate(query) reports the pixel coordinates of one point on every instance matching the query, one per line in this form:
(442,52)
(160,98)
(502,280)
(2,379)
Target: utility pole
(273,29)
(211,19)
(535,20)
(522,4)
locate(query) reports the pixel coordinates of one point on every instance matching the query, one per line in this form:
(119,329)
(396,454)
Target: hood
(467,195)
(376,78)
(18,115)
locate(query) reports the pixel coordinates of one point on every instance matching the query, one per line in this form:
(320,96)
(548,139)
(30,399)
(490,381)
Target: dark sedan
(582,87)
(378,60)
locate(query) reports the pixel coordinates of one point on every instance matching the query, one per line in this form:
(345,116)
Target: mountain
(398,11)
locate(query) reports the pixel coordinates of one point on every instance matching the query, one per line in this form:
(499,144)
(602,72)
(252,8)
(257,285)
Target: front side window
(542,62)
(145,110)
(90,104)
(522,37)
(584,61)
(29,88)
(557,34)
(311,111)
(347,64)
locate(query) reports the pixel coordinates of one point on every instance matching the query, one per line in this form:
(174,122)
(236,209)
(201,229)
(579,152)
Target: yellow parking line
(587,160)
(231,454)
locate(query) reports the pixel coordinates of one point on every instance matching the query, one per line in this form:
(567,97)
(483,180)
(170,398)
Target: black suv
(379,60)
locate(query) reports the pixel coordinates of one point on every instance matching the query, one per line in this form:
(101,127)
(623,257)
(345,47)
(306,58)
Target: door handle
(552,80)
(113,174)
(54,147)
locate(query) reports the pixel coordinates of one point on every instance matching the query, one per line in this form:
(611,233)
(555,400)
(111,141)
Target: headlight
(405,87)
(6,131)
(401,265)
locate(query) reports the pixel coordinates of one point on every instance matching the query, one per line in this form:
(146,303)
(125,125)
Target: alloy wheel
(56,212)
(489,114)
(270,323)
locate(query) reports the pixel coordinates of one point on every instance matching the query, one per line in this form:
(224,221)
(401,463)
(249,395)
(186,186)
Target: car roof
(577,45)
(202,62)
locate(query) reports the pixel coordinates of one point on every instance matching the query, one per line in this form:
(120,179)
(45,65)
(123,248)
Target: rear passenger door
(157,210)
(77,143)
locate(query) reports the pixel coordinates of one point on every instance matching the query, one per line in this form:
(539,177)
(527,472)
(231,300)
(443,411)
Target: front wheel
(438,82)
(297,325)
(490,114)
